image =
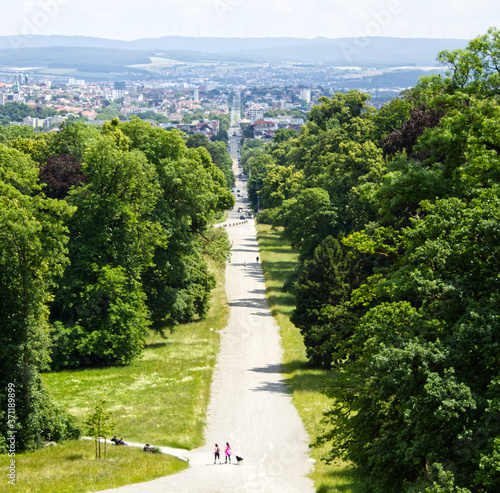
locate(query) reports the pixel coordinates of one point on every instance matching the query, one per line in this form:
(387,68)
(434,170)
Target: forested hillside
(396,215)
(103,236)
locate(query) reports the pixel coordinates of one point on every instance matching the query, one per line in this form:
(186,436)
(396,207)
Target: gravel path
(249,406)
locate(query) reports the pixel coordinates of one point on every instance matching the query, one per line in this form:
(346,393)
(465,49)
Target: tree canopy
(395,214)
(104,234)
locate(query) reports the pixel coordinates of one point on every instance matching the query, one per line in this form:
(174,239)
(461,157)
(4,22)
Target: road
(249,405)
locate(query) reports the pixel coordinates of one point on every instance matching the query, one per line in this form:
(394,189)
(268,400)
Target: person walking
(228,453)
(257,259)
(217,454)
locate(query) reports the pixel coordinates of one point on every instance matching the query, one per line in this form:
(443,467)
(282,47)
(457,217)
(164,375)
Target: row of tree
(103,236)
(15,112)
(396,215)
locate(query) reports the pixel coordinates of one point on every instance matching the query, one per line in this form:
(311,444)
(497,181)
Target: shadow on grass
(74,457)
(304,379)
(342,481)
(155,345)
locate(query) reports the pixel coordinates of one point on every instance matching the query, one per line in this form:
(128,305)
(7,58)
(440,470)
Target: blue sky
(133,19)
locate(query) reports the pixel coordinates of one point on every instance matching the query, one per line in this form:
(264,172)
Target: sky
(135,19)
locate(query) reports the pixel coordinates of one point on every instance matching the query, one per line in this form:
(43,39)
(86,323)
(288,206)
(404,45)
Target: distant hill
(370,51)
(93,60)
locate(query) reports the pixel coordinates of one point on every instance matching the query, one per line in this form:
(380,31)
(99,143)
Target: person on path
(257,259)
(217,454)
(228,453)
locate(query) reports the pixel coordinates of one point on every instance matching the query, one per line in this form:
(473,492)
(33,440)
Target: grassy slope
(161,398)
(72,468)
(279,262)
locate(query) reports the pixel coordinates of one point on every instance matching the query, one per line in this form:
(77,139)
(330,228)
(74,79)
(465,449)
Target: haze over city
(129,20)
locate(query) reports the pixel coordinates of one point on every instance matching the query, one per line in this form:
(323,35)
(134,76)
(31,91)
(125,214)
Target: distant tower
(305,95)
(196,96)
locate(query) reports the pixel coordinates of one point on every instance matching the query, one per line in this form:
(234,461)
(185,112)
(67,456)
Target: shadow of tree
(346,480)
(155,345)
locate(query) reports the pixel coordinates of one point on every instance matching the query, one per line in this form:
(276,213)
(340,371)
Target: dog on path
(239,460)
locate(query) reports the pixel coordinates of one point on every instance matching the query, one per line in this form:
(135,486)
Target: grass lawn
(72,468)
(279,262)
(161,398)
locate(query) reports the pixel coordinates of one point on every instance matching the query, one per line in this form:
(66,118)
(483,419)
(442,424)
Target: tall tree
(100,305)
(33,254)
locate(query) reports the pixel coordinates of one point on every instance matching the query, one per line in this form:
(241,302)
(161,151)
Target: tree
(73,139)
(339,109)
(33,254)
(324,285)
(406,139)
(100,304)
(60,174)
(218,153)
(418,391)
(35,148)
(307,219)
(280,183)
(257,170)
(99,425)
(408,306)
(191,190)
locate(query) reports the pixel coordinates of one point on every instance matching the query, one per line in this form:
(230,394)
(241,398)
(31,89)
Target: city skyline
(250,18)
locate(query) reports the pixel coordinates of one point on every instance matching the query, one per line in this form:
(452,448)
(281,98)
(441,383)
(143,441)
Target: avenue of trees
(396,215)
(104,234)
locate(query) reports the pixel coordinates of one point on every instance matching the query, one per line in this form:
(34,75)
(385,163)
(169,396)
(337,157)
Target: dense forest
(396,215)
(104,235)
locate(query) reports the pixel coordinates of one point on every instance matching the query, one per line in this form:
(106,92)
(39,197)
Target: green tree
(322,290)
(307,219)
(99,425)
(218,153)
(100,305)
(280,183)
(33,254)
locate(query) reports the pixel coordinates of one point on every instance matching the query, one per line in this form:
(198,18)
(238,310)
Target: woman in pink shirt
(228,453)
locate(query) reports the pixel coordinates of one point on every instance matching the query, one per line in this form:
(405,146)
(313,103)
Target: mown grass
(161,398)
(279,262)
(72,468)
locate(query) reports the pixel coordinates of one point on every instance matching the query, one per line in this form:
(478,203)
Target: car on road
(242,216)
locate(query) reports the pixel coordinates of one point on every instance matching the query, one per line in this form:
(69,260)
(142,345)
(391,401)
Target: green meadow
(72,468)
(160,399)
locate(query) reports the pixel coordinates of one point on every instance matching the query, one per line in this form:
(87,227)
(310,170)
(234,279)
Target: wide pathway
(249,405)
